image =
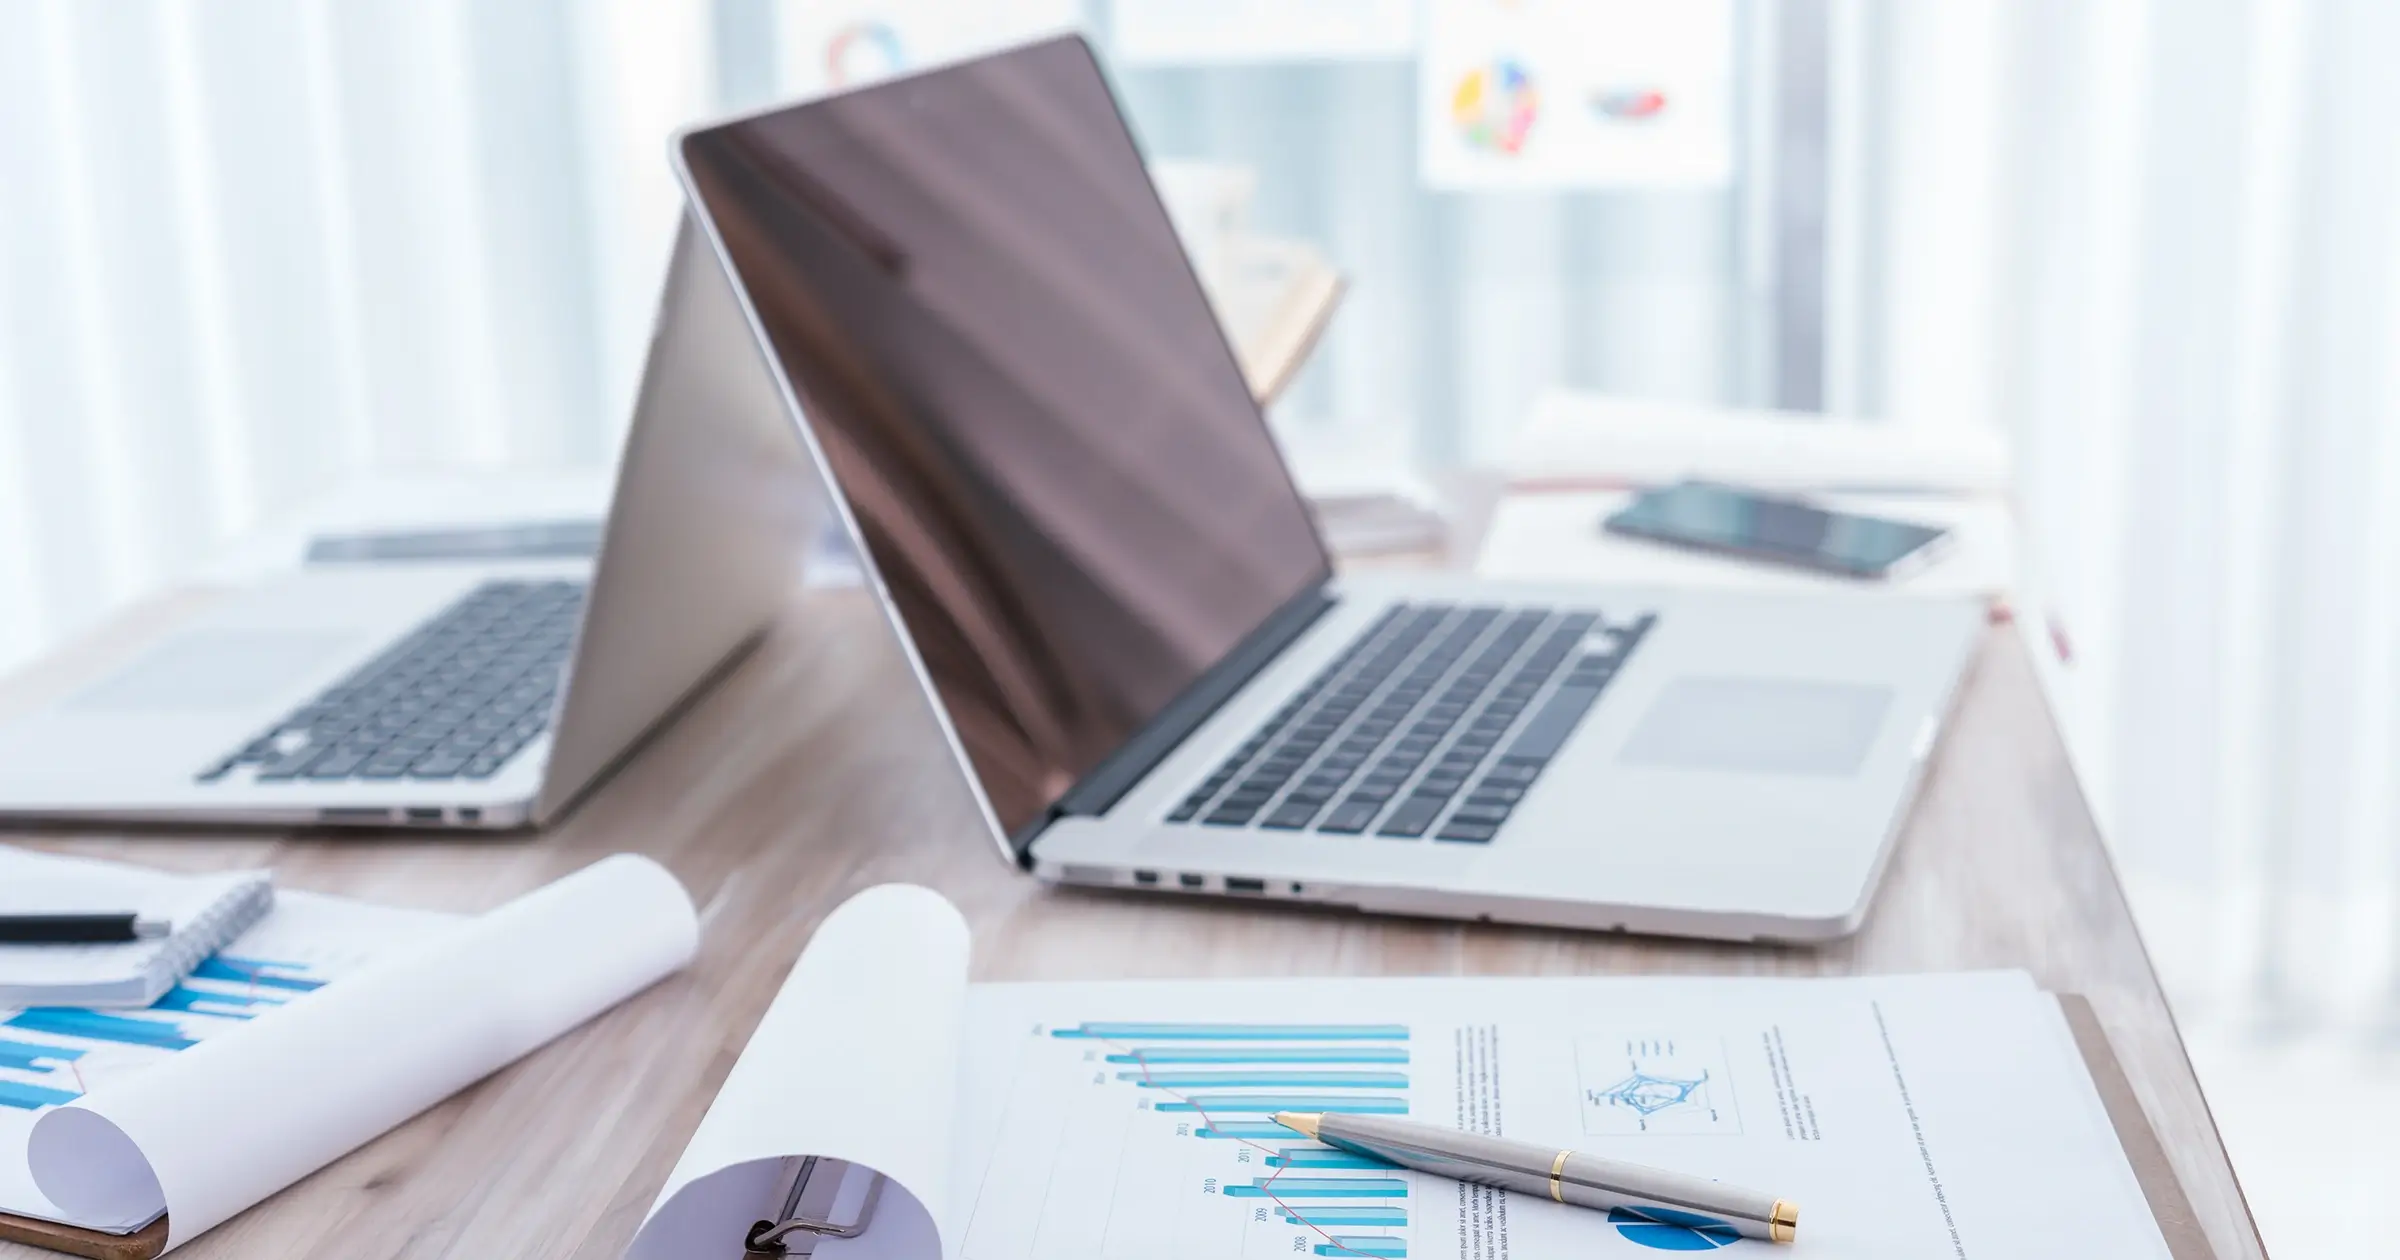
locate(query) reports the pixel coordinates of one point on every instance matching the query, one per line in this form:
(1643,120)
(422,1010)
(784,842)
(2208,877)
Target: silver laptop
(1125,616)
(463,695)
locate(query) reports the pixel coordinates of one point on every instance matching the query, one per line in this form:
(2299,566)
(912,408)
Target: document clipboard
(818,1199)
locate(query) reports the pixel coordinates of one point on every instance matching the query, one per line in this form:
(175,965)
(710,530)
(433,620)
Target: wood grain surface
(814,771)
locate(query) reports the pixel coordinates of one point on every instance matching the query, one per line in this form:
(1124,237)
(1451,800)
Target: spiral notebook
(205,911)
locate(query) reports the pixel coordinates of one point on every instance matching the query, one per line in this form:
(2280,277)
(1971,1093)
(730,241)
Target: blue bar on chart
(1363,1245)
(69,1021)
(1266,1080)
(1237,1032)
(1355,1104)
(185,998)
(1360,1214)
(30,1097)
(1264,1054)
(1320,1188)
(1247,1131)
(1297,1157)
(24,1056)
(263,972)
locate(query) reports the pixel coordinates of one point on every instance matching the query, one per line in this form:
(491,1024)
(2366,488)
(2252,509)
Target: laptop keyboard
(455,699)
(1435,720)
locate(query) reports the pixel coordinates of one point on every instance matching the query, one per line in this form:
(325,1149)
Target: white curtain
(249,250)
(2160,243)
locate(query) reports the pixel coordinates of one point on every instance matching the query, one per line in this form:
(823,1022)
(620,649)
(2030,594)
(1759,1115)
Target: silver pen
(1566,1176)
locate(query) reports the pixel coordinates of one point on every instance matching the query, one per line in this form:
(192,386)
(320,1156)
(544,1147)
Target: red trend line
(1142,1060)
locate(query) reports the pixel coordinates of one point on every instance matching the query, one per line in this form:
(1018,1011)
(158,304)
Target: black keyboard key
(1490,793)
(437,765)
(338,764)
(1351,816)
(1374,790)
(1292,816)
(1546,732)
(1471,812)
(1230,817)
(1412,816)
(1188,810)
(290,765)
(1469,832)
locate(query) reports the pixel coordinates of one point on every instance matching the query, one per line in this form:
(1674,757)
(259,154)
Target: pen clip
(810,1190)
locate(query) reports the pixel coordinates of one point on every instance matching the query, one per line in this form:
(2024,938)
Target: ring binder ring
(811,1187)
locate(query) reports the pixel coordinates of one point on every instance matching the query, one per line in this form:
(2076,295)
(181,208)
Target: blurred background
(252,251)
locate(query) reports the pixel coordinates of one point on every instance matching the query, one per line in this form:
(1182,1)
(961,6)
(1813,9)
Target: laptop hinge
(1099,791)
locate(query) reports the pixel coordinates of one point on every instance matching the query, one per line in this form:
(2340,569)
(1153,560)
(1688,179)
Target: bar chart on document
(53,1055)
(1118,1121)
(1159,1142)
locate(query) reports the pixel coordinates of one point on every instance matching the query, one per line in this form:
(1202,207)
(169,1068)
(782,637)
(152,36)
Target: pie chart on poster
(1661,1229)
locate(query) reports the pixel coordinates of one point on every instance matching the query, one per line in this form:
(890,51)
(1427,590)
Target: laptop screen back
(1022,393)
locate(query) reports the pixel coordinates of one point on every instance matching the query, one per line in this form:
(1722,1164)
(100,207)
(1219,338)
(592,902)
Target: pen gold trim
(1567,1176)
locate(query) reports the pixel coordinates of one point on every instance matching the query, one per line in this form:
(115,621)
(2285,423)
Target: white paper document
(328,1023)
(1909,1117)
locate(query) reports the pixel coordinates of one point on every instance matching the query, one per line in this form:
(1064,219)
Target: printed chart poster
(1576,94)
(1200,32)
(829,45)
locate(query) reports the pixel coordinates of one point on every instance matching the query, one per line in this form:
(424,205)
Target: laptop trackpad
(1759,726)
(201,670)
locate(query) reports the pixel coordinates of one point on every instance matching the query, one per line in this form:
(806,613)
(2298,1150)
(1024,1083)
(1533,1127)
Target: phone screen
(1726,519)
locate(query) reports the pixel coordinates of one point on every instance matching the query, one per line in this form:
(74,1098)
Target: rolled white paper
(237,1118)
(856,1059)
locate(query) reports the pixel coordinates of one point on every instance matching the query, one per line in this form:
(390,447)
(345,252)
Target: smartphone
(1788,531)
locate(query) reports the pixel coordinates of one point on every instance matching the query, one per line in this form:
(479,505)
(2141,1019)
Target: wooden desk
(814,771)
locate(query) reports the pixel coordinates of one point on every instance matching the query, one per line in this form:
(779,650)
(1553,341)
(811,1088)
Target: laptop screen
(1023,395)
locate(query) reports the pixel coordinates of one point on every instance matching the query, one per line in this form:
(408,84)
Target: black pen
(78,929)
